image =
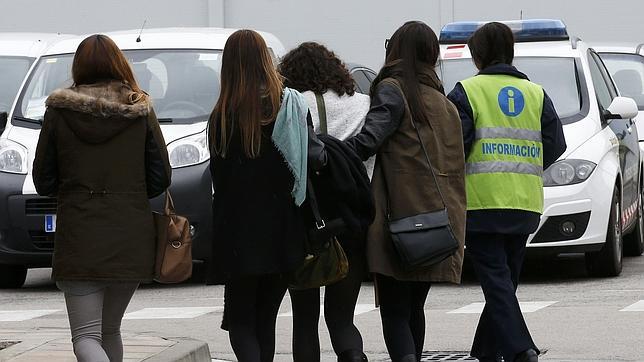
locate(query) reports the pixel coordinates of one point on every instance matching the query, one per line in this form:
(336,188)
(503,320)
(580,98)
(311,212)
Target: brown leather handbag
(174,245)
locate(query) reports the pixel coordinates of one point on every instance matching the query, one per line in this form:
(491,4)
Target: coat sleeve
(45,168)
(462,103)
(158,173)
(552,136)
(384,117)
(317,157)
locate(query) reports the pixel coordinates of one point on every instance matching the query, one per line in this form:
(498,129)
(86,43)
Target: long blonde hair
(251,90)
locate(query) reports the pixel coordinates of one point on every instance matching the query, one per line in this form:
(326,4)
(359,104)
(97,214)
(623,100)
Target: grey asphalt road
(572,317)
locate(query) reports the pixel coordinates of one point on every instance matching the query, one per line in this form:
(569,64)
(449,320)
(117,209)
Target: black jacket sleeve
(317,157)
(45,168)
(462,103)
(552,136)
(383,119)
(158,173)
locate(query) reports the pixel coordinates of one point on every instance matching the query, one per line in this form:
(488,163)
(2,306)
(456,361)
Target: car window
(13,70)
(362,82)
(602,88)
(371,75)
(183,84)
(558,76)
(627,70)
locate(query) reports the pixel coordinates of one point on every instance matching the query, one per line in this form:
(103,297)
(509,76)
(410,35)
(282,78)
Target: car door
(626,133)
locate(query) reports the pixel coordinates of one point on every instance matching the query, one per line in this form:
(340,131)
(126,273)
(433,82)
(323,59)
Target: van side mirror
(621,108)
(3,121)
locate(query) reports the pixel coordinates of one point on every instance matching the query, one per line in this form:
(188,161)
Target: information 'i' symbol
(511,101)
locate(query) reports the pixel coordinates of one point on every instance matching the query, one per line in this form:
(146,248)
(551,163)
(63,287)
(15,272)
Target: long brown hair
(411,50)
(98,59)
(250,94)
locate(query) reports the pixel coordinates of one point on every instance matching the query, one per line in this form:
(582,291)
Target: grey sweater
(345,116)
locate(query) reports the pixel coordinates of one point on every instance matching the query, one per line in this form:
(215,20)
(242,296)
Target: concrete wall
(356,29)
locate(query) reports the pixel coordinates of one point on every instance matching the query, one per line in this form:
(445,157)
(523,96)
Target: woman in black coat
(259,145)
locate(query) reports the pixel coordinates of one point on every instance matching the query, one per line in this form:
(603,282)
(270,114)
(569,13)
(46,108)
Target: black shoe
(352,355)
(527,356)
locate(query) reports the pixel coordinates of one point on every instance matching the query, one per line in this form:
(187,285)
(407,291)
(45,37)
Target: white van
(179,68)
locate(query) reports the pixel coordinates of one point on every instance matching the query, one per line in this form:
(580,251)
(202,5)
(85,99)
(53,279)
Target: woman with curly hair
(329,89)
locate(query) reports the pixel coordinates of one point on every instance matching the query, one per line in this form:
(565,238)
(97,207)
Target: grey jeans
(95,312)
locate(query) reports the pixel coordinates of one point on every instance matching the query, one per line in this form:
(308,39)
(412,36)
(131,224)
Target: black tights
(339,306)
(402,310)
(251,306)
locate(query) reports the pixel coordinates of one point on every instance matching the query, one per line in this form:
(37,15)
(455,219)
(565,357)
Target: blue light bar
(524,30)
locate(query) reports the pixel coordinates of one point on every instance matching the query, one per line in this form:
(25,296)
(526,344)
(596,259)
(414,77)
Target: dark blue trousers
(497,260)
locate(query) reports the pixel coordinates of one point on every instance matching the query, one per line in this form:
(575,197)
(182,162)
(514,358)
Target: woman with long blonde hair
(102,155)
(261,147)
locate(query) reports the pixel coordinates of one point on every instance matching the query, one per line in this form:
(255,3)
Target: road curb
(185,350)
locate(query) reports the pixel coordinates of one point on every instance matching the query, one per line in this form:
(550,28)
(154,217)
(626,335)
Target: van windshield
(558,77)
(183,84)
(13,70)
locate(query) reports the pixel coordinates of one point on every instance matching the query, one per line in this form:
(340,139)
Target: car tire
(634,242)
(607,262)
(12,276)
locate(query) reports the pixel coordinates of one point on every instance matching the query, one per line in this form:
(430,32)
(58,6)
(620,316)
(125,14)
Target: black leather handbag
(425,239)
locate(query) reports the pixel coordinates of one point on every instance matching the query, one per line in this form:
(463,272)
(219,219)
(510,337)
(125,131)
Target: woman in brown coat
(408,88)
(102,154)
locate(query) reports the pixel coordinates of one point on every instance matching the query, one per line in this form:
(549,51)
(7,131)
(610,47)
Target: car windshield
(183,84)
(13,70)
(627,71)
(558,76)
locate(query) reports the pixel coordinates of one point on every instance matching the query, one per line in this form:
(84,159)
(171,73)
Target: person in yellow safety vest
(511,133)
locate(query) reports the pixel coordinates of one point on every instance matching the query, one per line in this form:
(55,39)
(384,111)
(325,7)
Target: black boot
(408,358)
(352,355)
(527,356)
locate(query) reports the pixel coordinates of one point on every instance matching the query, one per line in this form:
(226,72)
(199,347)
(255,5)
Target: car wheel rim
(640,220)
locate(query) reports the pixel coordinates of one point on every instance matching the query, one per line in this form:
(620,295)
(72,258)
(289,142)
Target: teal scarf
(290,136)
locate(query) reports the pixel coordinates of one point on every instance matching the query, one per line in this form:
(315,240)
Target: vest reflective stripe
(498,166)
(505,165)
(511,133)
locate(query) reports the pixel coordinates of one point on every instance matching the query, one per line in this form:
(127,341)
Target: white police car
(179,68)
(593,193)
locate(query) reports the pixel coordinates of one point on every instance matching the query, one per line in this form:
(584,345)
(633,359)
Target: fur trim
(106,99)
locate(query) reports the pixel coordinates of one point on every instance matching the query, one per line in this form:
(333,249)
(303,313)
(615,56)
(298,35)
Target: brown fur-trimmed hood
(105,99)
(98,112)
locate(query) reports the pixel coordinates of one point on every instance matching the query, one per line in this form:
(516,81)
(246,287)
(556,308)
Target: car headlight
(13,157)
(568,172)
(189,150)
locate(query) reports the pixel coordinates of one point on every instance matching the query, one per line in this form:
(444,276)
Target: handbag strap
(319,99)
(313,202)
(425,153)
(169,204)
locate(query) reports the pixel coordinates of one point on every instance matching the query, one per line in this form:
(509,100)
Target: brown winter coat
(102,156)
(411,187)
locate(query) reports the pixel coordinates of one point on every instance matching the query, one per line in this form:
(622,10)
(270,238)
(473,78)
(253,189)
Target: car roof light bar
(524,30)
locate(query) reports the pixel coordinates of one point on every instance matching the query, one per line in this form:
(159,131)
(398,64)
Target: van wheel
(634,242)
(12,276)
(608,261)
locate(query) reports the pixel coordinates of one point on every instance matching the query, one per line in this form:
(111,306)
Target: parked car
(593,193)
(18,51)
(179,68)
(362,76)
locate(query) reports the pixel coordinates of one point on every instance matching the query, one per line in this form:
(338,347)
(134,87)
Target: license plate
(50,223)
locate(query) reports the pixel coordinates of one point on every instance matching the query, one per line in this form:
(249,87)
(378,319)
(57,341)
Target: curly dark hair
(313,67)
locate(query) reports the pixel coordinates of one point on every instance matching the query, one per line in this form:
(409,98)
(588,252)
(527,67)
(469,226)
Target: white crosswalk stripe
(171,313)
(526,307)
(637,307)
(360,309)
(24,315)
